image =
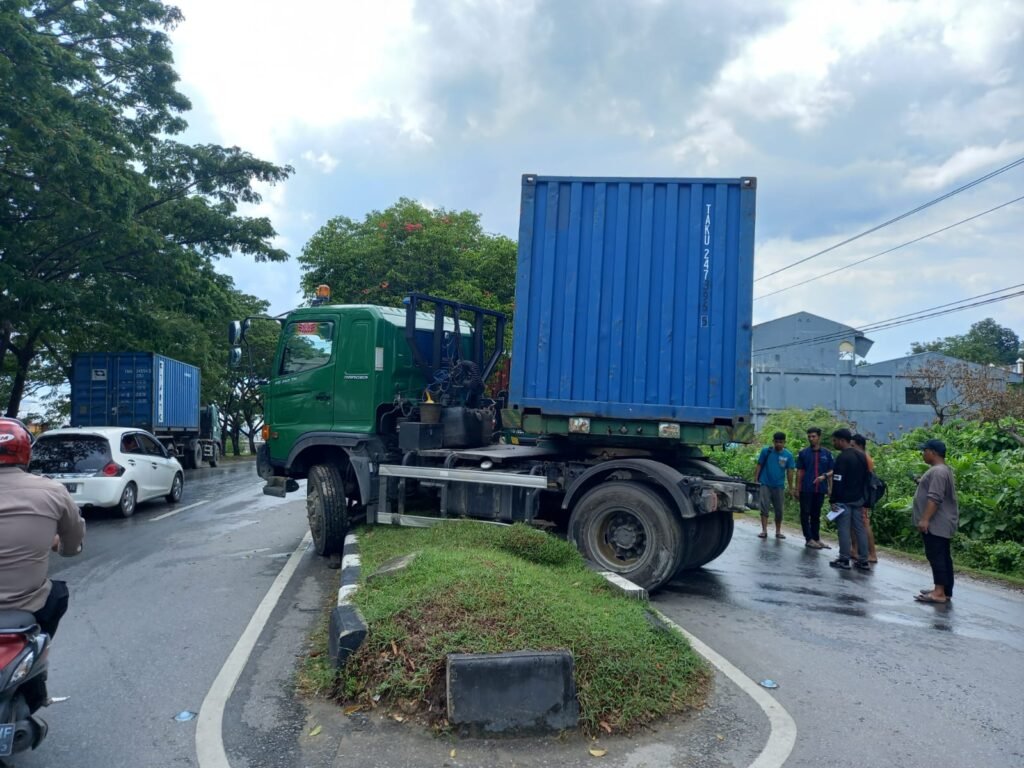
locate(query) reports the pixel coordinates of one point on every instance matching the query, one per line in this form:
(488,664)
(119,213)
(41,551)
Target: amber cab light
(266,432)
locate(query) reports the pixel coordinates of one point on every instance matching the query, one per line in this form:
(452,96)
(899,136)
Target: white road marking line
(209,737)
(782,737)
(176,511)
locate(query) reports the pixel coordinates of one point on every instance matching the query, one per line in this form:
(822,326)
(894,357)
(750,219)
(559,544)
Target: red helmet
(15,442)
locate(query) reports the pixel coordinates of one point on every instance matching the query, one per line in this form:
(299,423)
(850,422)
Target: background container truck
(631,350)
(146,391)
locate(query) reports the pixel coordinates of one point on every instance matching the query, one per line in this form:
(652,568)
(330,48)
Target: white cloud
(968,162)
(324,162)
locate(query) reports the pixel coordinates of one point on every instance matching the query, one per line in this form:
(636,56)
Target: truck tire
(216,455)
(630,529)
(709,537)
(197,455)
(327,509)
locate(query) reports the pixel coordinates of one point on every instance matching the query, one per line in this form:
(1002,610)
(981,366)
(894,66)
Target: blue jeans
(852,516)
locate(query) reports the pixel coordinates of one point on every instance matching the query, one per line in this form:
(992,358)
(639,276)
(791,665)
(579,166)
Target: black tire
(630,529)
(216,455)
(197,455)
(177,486)
(327,509)
(709,536)
(129,500)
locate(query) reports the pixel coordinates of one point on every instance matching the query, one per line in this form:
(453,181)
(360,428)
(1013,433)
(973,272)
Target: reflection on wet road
(871,677)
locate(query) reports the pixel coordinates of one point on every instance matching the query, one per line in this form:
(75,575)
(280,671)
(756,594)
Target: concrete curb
(347,630)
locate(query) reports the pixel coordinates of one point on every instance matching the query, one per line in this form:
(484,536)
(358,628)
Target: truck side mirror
(234,357)
(246,325)
(234,333)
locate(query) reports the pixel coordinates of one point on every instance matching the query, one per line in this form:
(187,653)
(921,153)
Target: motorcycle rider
(36,515)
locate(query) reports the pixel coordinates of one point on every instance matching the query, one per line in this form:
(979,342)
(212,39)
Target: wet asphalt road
(870,677)
(156,607)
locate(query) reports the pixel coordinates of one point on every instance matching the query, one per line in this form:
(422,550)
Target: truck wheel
(129,500)
(327,509)
(709,535)
(629,529)
(197,455)
(216,455)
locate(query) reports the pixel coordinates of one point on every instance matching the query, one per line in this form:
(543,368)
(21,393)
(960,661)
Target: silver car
(111,467)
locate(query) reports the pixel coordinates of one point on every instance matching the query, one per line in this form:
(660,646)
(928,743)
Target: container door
(303,391)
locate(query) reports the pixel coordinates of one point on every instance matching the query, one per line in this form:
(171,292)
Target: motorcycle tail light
(22,670)
(113,469)
(10,647)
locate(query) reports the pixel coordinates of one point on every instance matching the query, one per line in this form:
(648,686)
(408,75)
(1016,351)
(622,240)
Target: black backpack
(874,490)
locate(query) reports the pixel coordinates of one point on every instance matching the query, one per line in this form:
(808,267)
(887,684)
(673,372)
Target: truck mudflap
(263,467)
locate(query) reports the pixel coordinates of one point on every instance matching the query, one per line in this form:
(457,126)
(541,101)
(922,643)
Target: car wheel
(174,496)
(129,500)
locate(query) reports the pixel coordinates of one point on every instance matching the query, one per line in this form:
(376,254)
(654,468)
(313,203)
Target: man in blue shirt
(775,466)
(813,466)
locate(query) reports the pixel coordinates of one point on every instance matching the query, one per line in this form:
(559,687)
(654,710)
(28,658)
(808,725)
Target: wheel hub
(625,536)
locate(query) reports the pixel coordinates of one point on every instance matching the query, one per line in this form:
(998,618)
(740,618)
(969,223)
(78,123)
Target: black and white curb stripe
(347,629)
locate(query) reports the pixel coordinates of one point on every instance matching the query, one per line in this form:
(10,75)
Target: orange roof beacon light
(323,294)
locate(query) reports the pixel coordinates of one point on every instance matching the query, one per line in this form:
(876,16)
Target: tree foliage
(986,342)
(108,226)
(409,247)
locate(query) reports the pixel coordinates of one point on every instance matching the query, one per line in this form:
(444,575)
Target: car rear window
(69,453)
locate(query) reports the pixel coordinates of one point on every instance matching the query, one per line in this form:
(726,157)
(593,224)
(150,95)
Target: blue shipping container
(634,298)
(134,389)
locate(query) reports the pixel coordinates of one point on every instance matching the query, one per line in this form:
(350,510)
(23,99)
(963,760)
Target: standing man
(860,443)
(812,463)
(775,469)
(36,515)
(849,478)
(936,516)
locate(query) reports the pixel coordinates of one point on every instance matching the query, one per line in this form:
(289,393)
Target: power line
(889,250)
(907,319)
(918,209)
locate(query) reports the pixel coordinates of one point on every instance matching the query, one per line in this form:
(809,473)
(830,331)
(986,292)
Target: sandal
(929,599)
(762,535)
(780,535)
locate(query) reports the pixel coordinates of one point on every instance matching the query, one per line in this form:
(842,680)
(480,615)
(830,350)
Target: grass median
(477,588)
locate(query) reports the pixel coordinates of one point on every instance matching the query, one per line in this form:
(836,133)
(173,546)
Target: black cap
(935,445)
(843,434)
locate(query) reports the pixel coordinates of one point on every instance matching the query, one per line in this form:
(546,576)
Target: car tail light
(10,647)
(113,469)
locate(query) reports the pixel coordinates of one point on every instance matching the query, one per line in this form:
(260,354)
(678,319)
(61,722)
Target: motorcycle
(24,659)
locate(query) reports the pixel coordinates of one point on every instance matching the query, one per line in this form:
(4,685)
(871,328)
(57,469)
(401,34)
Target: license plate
(72,487)
(6,739)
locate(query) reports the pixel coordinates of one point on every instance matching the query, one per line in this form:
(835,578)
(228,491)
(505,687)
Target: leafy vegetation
(986,342)
(987,461)
(477,588)
(108,226)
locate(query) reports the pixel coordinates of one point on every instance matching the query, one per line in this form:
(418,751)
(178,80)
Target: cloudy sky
(849,114)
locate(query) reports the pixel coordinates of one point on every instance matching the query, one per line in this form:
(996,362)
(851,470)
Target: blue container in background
(634,298)
(134,389)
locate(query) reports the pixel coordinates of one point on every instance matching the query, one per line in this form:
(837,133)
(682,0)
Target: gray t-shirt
(937,485)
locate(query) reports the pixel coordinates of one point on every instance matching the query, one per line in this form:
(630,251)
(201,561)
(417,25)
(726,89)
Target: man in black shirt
(849,479)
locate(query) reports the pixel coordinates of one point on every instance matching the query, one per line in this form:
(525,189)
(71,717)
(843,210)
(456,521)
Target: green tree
(986,342)
(101,210)
(408,247)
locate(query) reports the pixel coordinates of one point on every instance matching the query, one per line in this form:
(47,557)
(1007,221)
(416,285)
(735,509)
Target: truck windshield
(69,453)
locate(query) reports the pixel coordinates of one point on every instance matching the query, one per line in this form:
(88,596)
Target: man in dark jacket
(813,465)
(849,478)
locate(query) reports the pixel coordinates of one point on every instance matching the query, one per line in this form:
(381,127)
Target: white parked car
(113,467)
